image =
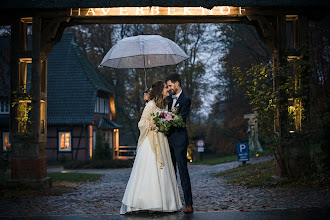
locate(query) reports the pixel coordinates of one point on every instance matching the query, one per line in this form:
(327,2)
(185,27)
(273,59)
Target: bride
(152,184)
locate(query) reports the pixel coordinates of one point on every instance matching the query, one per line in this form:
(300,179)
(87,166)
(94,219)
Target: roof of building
(72,84)
(107,123)
(166,3)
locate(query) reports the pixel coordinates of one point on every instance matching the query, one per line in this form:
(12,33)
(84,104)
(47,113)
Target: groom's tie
(175,99)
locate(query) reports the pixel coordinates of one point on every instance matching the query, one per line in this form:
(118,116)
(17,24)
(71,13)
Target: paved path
(103,197)
(270,214)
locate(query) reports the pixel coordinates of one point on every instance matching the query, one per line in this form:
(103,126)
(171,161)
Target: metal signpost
(243,152)
(200,147)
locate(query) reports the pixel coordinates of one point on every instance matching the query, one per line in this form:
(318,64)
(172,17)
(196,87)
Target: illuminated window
(5,141)
(64,141)
(24,116)
(4,107)
(295,110)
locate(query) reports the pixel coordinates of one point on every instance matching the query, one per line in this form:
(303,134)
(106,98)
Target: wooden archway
(50,18)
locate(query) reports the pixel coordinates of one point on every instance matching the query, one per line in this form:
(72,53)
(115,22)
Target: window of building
(94,139)
(97,105)
(102,106)
(64,140)
(5,141)
(106,137)
(4,107)
(106,106)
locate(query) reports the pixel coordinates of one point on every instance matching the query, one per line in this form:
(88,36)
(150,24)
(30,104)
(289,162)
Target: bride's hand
(153,127)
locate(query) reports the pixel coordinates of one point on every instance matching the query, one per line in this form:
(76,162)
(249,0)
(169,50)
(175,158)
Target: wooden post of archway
(29,137)
(272,30)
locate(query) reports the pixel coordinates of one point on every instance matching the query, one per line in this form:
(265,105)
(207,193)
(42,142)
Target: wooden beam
(14,75)
(51,33)
(266,30)
(86,142)
(35,82)
(6,16)
(274,11)
(280,60)
(23,35)
(78,145)
(303,43)
(154,20)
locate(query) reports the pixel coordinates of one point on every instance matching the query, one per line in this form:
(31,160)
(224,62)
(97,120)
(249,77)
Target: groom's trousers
(179,157)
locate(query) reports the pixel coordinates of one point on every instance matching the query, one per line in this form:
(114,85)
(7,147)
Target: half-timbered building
(79,104)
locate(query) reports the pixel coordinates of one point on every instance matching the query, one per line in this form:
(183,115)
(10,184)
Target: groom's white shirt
(175,100)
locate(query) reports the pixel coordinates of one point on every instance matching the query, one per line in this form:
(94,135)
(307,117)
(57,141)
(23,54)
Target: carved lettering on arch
(160,11)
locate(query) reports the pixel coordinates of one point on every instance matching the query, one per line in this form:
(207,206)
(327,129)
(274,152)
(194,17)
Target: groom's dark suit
(178,141)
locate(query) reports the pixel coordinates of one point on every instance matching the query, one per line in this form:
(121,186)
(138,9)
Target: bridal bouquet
(164,120)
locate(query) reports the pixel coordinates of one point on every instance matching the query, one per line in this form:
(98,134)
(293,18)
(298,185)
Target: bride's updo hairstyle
(156,93)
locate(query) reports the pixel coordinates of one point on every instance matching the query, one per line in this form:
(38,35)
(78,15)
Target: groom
(178,137)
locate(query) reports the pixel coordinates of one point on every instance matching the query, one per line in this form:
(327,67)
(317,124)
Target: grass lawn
(260,175)
(251,175)
(215,159)
(62,183)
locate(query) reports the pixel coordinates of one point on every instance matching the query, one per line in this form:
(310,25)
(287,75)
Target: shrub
(99,148)
(102,150)
(107,151)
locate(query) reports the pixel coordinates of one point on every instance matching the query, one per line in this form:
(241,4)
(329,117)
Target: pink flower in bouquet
(163,120)
(168,117)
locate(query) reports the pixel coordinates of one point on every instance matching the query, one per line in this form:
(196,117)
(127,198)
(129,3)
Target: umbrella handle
(145,73)
(145,78)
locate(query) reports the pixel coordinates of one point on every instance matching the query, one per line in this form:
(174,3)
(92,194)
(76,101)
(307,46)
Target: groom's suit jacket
(178,137)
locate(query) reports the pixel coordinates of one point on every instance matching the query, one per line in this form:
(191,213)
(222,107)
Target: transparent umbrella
(143,51)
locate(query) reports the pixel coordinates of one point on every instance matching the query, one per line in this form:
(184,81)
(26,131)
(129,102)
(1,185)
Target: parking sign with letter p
(242,151)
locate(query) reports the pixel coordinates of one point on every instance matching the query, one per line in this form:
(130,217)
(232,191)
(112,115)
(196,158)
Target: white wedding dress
(152,184)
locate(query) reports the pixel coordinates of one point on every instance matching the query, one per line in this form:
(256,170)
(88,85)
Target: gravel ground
(103,197)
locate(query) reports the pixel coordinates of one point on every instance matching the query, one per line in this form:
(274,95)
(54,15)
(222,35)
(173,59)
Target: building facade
(78,104)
